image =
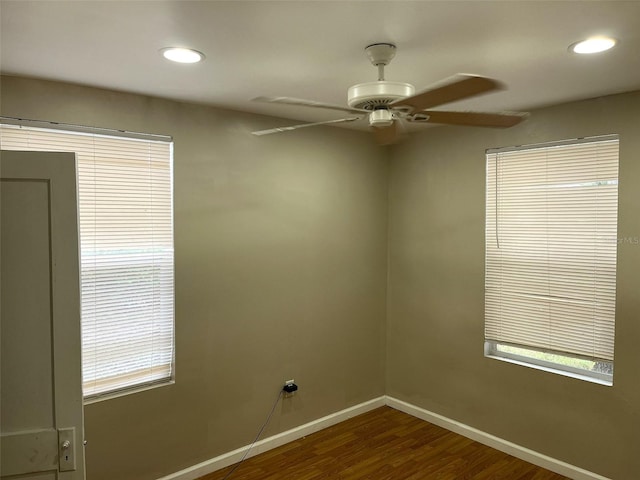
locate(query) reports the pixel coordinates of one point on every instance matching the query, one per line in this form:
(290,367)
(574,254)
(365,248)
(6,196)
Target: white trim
(557,466)
(229,458)
(567,371)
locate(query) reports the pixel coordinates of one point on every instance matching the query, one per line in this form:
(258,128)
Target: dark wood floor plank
(385,444)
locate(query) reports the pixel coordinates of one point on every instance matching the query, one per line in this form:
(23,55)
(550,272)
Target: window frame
(492,350)
(526,355)
(62,128)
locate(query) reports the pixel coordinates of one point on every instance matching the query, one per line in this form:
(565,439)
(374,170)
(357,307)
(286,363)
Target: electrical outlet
(288,394)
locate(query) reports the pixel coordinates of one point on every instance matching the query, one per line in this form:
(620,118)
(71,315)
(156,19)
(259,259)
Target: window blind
(126,241)
(551,243)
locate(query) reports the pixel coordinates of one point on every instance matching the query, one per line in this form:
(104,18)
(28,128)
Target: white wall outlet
(289,382)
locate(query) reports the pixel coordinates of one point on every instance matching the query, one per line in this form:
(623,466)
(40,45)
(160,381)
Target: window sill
(550,369)
(128,391)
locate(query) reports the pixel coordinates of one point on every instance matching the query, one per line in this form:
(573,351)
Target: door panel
(25,295)
(30,452)
(40,317)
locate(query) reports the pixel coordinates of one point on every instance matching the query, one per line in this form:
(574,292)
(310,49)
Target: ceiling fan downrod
(380,55)
(377,95)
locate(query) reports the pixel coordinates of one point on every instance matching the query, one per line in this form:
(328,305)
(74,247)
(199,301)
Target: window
(551,245)
(126,242)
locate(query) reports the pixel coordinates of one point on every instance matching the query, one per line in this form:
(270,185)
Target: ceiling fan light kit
(381,118)
(388,104)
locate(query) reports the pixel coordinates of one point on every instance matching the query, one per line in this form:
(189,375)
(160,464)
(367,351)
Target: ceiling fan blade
(304,125)
(307,103)
(386,135)
(475,119)
(455,88)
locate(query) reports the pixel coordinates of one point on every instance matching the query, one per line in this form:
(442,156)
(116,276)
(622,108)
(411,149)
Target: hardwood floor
(385,444)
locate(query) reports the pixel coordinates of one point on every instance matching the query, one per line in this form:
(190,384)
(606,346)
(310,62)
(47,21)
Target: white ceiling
(315,49)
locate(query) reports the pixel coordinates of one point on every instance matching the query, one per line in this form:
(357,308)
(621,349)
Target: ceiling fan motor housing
(372,95)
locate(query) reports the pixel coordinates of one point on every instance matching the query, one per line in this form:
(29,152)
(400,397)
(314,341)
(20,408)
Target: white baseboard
(229,458)
(274,441)
(505,446)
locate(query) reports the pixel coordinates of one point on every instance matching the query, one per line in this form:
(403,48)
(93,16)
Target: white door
(41,423)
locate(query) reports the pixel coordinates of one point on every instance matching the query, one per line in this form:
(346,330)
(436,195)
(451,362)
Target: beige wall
(280,250)
(436,296)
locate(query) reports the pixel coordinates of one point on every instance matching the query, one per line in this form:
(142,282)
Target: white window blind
(126,240)
(551,243)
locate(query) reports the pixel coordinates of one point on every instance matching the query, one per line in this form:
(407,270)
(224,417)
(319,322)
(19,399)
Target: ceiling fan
(388,104)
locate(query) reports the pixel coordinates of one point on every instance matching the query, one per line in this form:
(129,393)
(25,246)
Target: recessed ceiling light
(182,55)
(593,45)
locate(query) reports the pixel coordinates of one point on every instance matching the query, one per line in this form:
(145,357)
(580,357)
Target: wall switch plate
(66,449)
